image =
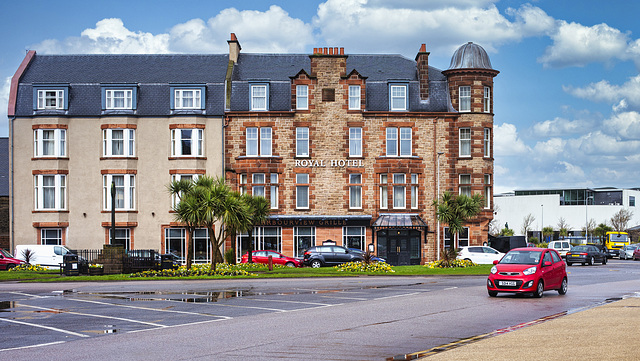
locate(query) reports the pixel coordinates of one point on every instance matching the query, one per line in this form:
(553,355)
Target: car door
(476,255)
(341,255)
(491,254)
(558,269)
(547,270)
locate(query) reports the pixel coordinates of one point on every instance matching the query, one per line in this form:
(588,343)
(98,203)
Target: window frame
(487,142)
(384,191)
(258,186)
(397,141)
(59,192)
(260,142)
(302,138)
(403,97)
(196,142)
(254,98)
(301,185)
(59,141)
(57,240)
(302,97)
(355,97)
(177,97)
(399,188)
(486,99)
(126,238)
(59,96)
(464,187)
(175,198)
(414,191)
(297,252)
(464,97)
(464,143)
(273,190)
(487,191)
(355,191)
(355,142)
(129,192)
(128,143)
(129,97)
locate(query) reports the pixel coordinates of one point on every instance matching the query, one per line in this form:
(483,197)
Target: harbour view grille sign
(332,163)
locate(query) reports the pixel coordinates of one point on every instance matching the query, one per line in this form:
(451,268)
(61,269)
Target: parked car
(7,261)
(528,270)
(45,255)
(586,254)
(277,258)
(636,254)
(479,254)
(561,246)
(626,252)
(319,256)
(373,258)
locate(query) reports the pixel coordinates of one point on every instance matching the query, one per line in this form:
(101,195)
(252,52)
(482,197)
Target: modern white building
(576,206)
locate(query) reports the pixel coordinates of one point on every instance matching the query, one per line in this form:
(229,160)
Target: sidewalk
(607,332)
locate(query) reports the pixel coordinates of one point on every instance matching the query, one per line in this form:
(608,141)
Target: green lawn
(279,272)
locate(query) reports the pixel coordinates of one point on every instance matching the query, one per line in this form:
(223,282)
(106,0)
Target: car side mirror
(495,262)
(547,264)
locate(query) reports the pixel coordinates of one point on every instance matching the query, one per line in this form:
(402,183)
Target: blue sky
(567,99)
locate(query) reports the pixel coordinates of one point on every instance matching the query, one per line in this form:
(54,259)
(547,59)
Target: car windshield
(580,249)
(521,257)
(5,253)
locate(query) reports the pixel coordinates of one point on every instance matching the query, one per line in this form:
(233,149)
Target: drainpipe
(11,197)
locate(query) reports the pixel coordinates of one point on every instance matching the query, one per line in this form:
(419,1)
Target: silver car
(626,252)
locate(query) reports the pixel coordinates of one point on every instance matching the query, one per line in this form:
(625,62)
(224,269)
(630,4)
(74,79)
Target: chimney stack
(422,62)
(234,48)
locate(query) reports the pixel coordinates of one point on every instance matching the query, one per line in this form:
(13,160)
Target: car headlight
(529,271)
(494,270)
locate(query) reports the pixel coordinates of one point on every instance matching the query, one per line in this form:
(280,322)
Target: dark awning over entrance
(400,220)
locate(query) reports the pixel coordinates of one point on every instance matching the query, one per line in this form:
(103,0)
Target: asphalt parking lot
(35,319)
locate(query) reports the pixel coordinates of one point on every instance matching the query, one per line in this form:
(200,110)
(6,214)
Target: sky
(566,101)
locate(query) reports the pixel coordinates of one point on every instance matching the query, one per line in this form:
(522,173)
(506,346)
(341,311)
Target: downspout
(12,245)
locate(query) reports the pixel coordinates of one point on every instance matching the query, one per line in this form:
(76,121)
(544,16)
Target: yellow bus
(614,241)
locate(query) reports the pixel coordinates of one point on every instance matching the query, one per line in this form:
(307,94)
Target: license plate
(507,283)
(575,255)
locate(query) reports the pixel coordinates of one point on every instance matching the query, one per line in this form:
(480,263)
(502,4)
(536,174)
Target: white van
(561,246)
(45,255)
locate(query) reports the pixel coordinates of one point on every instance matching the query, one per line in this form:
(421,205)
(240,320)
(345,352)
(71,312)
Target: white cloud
(603,91)
(506,141)
(358,25)
(577,45)
(560,126)
(548,150)
(4,104)
(626,125)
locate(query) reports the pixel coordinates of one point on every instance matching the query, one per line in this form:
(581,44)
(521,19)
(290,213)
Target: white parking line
(94,315)
(146,308)
(41,326)
(26,294)
(298,302)
(401,295)
(346,298)
(32,346)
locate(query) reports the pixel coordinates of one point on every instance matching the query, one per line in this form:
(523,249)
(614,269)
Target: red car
(7,261)
(636,254)
(528,270)
(278,258)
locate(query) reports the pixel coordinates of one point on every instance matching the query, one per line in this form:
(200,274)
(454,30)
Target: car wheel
(569,264)
(539,290)
(289,264)
(493,293)
(316,263)
(563,287)
(10,266)
(592,260)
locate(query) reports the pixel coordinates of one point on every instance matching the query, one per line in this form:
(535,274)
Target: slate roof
(277,69)
(153,74)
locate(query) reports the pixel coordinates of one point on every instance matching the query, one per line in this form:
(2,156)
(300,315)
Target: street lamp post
(542,224)
(438,198)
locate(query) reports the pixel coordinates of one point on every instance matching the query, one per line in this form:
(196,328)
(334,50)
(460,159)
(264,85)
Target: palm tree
(455,210)
(259,208)
(546,232)
(601,231)
(187,211)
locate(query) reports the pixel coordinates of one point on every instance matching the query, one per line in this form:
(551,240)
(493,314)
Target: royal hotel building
(347,147)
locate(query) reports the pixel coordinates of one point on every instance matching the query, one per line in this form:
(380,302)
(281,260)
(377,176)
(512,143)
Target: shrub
(456,263)
(380,267)
(230,256)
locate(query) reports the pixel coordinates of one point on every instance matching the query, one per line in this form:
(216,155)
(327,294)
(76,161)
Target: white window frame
(180,96)
(399,142)
(302,142)
(128,142)
(196,140)
(354,97)
(384,191)
(297,252)
(48,96)
(414,191)
(242,183)
(111,95)
(175,198)
(258,181)
(259,97)
(465,98)
(487,142)
(302,191)
(59,189)
(465,142)
(487,99)
(302,97)
(55,240)
(351,231)
(464,184)
(261,141)
(355,191)
(126,237)
(399,191)
(128,192)
(273,191)
(59,141)
(398,93)
(355,142)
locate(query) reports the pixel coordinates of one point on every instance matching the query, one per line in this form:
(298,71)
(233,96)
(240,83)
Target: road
(359,318)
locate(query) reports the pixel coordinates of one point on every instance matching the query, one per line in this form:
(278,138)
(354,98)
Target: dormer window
(259,97)
(119,98)
(398,97)
(50,97)
(302,97)
(187,98)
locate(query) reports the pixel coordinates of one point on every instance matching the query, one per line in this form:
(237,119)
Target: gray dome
(470,56)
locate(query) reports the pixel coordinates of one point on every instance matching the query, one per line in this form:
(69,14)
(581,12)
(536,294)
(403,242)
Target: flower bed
(456,263)
(378,267)
(222,269)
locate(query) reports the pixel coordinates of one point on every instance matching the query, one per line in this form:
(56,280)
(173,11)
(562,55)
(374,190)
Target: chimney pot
(341,51)
(326,51)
